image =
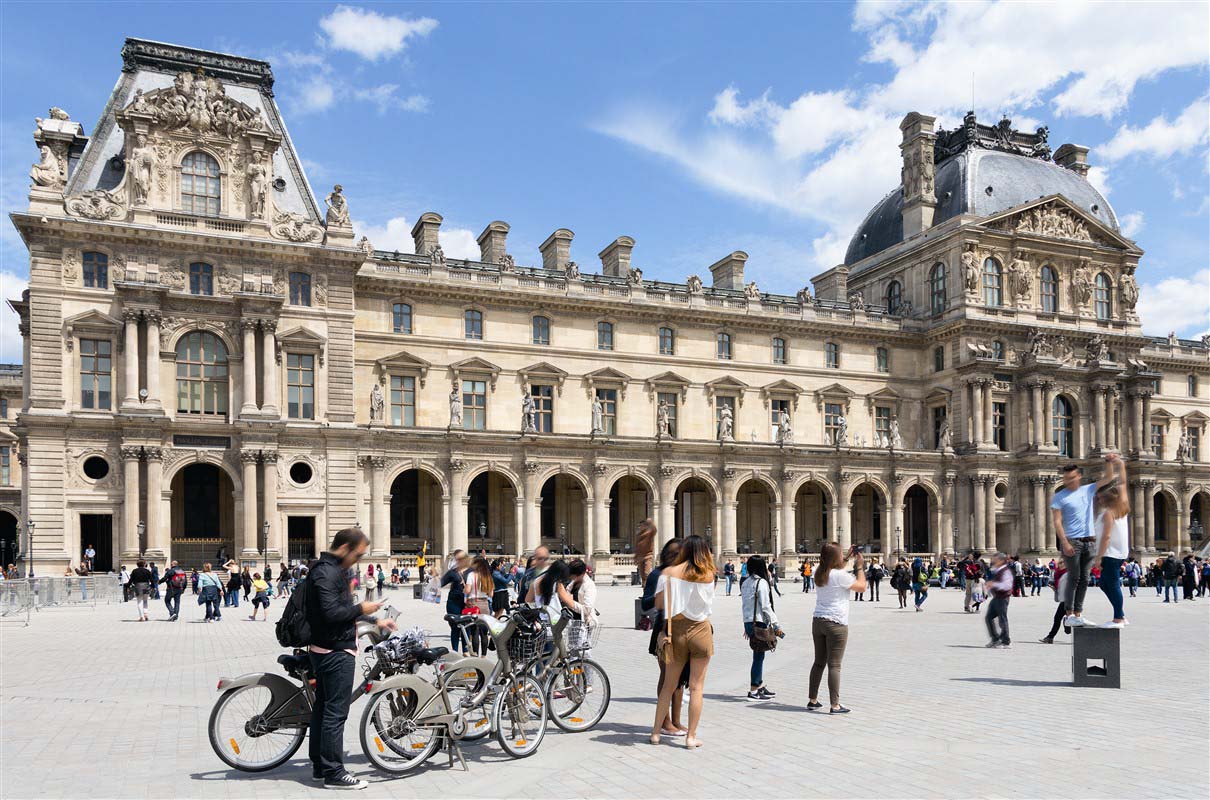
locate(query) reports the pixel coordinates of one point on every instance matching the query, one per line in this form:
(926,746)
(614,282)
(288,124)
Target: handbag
(763,638)
(663,641)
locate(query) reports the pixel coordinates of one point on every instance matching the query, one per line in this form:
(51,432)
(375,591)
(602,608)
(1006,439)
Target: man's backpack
(178,580)
(293,629)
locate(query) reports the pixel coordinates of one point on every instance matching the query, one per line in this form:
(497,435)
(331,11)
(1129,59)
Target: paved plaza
(96,705)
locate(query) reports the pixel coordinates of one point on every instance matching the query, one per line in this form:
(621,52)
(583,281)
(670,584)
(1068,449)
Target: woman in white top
(758,612)
(479,587)
(1113,542)
(830,624)
(685,591)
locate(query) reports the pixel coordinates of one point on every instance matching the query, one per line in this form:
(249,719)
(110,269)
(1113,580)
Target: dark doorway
(300,538)
(405,505)
(916,517)
(10,544)
(97,530)
(200,494)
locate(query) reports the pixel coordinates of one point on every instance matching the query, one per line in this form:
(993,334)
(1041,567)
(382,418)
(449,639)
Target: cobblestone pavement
(93,704)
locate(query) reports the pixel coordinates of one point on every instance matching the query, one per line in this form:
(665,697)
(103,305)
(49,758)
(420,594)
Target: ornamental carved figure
(694,284)
(752,291)
(377,403)
(662,420)
(96,204)
(319,291)
(970,269)
(197,103)
(295,228)
(338,208)
(785,433)
(804,296)
(634,276)
(857,300)
(46,172)
(1019,278)
(1081,286)
(455,407)
(507,263)
(436,256)
(1054,222)
(365,246)
(572,271)
(529,413)
(726,432)
(71,266)
(1128,291)
(142,168)
(258,185)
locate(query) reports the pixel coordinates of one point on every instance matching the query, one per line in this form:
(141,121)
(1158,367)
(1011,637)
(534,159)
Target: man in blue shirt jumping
(1072,508)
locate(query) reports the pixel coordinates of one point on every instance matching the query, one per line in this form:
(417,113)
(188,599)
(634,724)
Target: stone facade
(268,380)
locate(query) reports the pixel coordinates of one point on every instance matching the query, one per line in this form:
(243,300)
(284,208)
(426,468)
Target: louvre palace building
(213,361)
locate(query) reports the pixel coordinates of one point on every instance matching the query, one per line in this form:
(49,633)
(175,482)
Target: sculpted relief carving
(1050,220)
(295,227)
(96,204)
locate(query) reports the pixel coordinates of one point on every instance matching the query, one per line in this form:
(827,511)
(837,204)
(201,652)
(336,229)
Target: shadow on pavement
(1013,681)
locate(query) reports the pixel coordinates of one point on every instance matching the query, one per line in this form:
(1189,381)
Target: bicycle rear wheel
(577,695)
(391,738)
(519,716)
(244,737)
(478,720)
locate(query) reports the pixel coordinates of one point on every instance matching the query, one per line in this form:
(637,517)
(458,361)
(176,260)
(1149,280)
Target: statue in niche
(842,432)
(46,171)
(338,208)
(598,416)
(1128,290)
(258,185)
(970,269)
(726,426)
(377,403)
(943,435)
(455,407)
(785,433)
(142,163)
(662,421)
(1184,447)
(896,439)
(529,413)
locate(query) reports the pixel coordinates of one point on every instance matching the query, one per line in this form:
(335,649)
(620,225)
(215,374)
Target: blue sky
(697,129)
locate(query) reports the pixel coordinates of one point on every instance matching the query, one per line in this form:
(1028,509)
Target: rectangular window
(541,330)
(832,414)
(1157,439)
(667,342)
(775,409)
(724,346)
(3,408)
(939,417)
(474,405)
(884,360)
(1193,386)
(832,353)
(300,386)
(779,350)
(609,410)
(604,335)
(1195,446)
(96,271)
(544,403)
(403,400)
(96,378)
(670,400)
(1000,425)
(401,318)
(474,324)
(300,289)
(882,426)
(6,477)
(938,359)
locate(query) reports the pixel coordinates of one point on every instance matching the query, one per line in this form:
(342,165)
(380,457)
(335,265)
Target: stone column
(889,540)
(1041,511)
(597,523)
(729,507)
(248,390)
(1111,430)
(978,533)
(455,534)
(789,534)
(130,502)
(157,532)
(1136,419)
(1098,418)
(533,518)
(130,358)
(985,387)
(1138,528)
(1035,422)
(25,373)
(1047,404)
(1146,445)
(842,511)
(666,515)
(518,524)
(269,359)
(945,536)
(976,433)
(990,508)
(275,542)
(1049,492)
(153,359)
(1149,514)
(1183,543)
(248,541)
(380,530)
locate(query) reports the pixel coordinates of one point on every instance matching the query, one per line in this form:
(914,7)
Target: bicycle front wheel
(519,716)
(245,736)
(391,737)
(577,695)
(477,720)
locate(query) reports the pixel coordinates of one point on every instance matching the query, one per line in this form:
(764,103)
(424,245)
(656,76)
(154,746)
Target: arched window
(200,190)
(96,271)
(401,318)
(667,342)
(300,289)
(201,374)
(1063,432)
(201,278)
(993,283)
(1050,290)
(937,292)
(894,297)
(723,341)
(1103,296)
(472,322)
(540,329)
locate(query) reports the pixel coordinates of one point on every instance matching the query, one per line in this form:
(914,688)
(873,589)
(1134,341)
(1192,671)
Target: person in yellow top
(260,595)
(805,571)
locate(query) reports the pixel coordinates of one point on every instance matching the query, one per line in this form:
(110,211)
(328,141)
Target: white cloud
(372,35)
(1162,138)
(11,287)
(1131,224)
(317,94)
(829,155)
(385,99)
(1098,176)
(396,234)
(1176,304)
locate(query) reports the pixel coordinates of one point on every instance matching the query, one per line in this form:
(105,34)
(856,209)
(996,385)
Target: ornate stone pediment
(195,103)
(295,228)
(669,381)
(543,372)
(405,363)
(96,204)
(1055,218)
(475,367)
(834,393)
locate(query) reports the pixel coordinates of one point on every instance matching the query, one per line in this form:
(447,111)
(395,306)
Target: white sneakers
(1072,621)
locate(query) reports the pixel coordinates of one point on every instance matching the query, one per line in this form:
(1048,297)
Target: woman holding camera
(830,623)
(758,614)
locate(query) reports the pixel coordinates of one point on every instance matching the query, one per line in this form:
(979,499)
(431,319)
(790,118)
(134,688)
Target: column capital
(787,475)
(457,465)
(132,315)
(728,473)
(949,478)
(599,470)
(153,454)
(249,456)
(248,323)
(268,456)
(131,453)
(268,325)
(153,317)
(531,467)
(667,471)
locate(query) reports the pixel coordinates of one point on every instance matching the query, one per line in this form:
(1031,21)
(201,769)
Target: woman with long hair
(478,586)
(686,593)
(758,613)
(1113,546)
(671,724)
(455,601)
(830,622)
(550,590)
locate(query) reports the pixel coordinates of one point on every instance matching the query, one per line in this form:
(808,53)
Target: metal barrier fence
(16,601)
(19,597)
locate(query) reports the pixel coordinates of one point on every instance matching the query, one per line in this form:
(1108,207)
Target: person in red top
(1061,611)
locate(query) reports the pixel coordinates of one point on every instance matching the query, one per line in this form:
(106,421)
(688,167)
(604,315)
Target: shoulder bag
(663,640)
(763,638)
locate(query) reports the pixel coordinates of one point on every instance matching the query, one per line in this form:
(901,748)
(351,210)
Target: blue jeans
(730,581)
(1112,586)
(1079,568)
(757,675)
(172,601)
(919,593)
(945,578)
(333,677)
(1175,585)
(231,598)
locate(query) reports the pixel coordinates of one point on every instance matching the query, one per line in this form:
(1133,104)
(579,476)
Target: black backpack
(293,630)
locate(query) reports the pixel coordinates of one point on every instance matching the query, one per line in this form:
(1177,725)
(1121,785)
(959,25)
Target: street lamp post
(776,549)
(29,560)
(563,538)
(898,539)
(265,545)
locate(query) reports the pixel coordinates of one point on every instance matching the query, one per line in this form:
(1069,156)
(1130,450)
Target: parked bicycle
(576,688)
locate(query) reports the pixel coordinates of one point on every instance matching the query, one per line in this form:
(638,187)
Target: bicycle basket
(529,639)
(581,635)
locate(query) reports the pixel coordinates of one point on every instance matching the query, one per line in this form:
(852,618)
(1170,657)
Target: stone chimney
(492,241)
(556,250)
(615,259)
(729,272)
(919,202)
(1073,157)
(424,232)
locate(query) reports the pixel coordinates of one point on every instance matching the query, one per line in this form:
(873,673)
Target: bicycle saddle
(293,663)
(430,654)
(459,619)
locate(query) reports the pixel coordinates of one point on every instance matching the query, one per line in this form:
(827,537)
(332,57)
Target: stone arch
(201,457)
(761,478)
(702,475)
(432,470)
(755,501)
(489,466)
(919,506)
(490,507)
(1165,506)
(868,513)
(695,495)
(813,502)
(417,507)
(10,535)
(631,495)
(564,469)
(822,480)
(204,511)
(562,516)
(207,326)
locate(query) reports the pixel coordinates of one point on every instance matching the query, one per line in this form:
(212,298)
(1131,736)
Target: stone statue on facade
(598,416)
(842,432)
(529,413)
(258,186)
(752,291)
(507,263)
(694,284)
(943,435)
(803,296)
(1172,340)
(377,403)
(1019,281)
(726,425)
(857,300)
(896,439)
(572,271)
(1039,344)
(785,433)
(1081,286)
(365,246)
(634,276)
(1096,349)
(46,171)
(1184,446)
(970,269)
(338,208)
(662,420)
(436,256)
(142,164)
(1128,291)
(455,407)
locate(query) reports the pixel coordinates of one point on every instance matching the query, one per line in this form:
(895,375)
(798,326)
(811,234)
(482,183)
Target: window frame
(993,282)
(397,315)
(94,270)
(6,465)
(210,390)
(672,400)
(882,359)
(939,358)
(473,324)
(543,395)
(780,350)
(95,376)
(537,336)
(1102,296)
(294,363)
(474,412)
(201,279)
(212,202)
(882,422)
(1191,385)
(832,412)
(831,352)
(299,282)
(606,335)
(608,395)
(403,390)
(666,335)
(1048,288)
(1063,434)
(1000,424)
(938,290)
(724,346)
(893,297)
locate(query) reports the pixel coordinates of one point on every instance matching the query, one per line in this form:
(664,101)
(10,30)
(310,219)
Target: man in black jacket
(174,581)
(333,617)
